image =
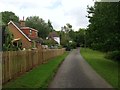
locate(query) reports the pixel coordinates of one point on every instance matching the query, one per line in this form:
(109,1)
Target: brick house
(27,35)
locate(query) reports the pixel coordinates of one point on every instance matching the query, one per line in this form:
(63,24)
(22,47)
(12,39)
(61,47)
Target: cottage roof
(29,28)
(18,27)
(53,34)
(17,24)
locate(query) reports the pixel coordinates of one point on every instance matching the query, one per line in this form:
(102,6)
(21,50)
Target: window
(36,33)
(30,31)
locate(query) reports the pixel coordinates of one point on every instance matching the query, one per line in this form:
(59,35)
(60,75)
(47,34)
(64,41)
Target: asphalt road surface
(75,72)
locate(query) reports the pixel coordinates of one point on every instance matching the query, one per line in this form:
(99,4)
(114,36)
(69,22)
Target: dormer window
(36,33)
(30,31)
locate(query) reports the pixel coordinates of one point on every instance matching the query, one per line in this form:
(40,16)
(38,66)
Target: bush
(73,45)
(114,55)
(68,48)
(60,47)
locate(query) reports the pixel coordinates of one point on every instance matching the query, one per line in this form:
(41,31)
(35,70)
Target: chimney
(23,18)
(22,23)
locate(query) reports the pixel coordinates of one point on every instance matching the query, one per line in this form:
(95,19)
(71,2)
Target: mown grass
(39,77)
(108,69)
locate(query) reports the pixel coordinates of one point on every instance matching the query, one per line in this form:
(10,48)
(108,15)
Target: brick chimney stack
(23,18)
(22,22)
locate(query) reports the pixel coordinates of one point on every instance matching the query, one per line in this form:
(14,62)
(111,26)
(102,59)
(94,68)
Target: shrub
(68,47)
(60,47)
(114,55)
(73,45)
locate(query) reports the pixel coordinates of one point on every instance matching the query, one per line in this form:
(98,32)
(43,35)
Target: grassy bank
(108,69)
(39,77)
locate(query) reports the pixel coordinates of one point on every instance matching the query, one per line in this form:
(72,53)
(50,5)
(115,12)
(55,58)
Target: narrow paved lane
(75,72)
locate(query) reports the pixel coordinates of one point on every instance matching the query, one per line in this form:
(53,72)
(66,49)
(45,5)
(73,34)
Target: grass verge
(108,69)
(39,77)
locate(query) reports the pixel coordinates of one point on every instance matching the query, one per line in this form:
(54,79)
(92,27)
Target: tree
(80,37)
(72,35)
(68,36)
(103,30)
(7,16)
(67,28)
(50,26)
(39,24)
(7,36)
(7,44)
(65,38)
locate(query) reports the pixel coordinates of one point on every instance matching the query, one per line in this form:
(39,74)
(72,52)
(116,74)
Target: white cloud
(59,12)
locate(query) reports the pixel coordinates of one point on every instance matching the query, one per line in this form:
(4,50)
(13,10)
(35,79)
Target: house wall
(17,34)
(26,31)
(57,39)
(33,34)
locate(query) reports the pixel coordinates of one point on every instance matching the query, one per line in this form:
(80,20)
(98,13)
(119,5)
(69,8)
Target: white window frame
(30,31)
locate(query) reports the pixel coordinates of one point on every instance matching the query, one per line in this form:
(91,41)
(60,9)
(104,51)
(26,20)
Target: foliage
(7,38)
(64,39)
(50,26)
(7,16)
(114,55)
(67,28)
(33,44)
(68,34)
(73,45)
(39,77)
(106,68)
(80,37)
(50,42)
(39,24)
(17,47)
(1,22)
(65,34)
(103,31)
(60,47)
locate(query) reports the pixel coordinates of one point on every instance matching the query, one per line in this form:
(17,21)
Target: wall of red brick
(32,35)
(25,43)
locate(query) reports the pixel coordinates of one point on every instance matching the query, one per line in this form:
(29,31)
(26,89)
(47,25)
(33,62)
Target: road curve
(75,72)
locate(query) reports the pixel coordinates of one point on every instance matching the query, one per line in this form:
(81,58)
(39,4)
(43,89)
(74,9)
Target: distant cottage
(54,36)
(27,35)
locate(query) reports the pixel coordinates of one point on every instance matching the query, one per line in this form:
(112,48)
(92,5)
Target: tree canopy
(7,36)
(7,16)
(68,34)
(103,32)
(39,24)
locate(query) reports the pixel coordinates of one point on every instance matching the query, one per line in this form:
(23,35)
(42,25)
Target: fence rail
(15,63)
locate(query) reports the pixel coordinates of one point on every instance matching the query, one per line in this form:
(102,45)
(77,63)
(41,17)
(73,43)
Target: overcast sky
(59,12)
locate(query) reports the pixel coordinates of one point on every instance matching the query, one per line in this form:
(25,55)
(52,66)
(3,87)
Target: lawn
(108,69)
(39,77)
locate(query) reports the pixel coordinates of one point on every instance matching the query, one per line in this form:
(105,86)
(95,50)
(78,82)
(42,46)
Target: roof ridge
(20,31)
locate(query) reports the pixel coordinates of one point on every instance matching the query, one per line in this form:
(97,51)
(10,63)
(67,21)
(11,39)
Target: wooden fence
(15,63)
